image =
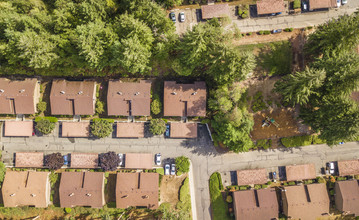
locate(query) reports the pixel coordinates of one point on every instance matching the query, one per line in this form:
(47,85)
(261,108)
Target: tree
(156,105)
(54,161)
(170,3)
(99,108)
(182,164)
(157,126)
(45,126)
(101,128)
(41,107)
(109,161)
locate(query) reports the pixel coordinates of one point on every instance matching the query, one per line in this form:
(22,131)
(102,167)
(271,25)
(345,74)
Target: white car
(158,159)
(167,169)
(331,166)
(173,169)
(339,3)
(344,2)
(120,156)
(181,17)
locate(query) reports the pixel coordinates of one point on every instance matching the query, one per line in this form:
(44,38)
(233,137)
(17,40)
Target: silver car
(120,156)
(173,169)
(167,169)
(158,159)
(182,17)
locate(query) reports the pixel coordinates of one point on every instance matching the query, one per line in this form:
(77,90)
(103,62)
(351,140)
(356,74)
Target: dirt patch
(265,86)
(170,186)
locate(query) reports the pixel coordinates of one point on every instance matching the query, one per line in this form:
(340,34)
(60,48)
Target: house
(29,159)
(18,128)
(137,190)
(129,98)
(183,130)
(255,176)
(75,129)
(19,96)
(265,7)
(300,172)
(184,99)
(215,11)
(130,130)
(348,167)
(347,196)
(82,189)
(138,161)
(255,204)
(72,97)
(26,188)
(322,4)
(84,160)
(305,202)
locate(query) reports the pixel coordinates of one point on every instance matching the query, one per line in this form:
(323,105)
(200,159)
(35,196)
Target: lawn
(218,205)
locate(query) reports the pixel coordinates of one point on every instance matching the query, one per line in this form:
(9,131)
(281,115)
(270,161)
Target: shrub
(219,206)
(179,173)
(308,181)
(260,32)
(296,4)
(184,197)
(68,210)
(249,33)
(157,126)
(54,161)
(182,164)
(156,105)
(264,186)
(264,143)
(101,128)
(258,103)
(2,172)
(51,119)
(41,107)
(257,186)
(99,108)
(110,120)
(53,178)
(297,141)
(292,183)
(288,29)
(356,177)
(243,188)
(229,199)
(45,126)
(109,161)
(317,140)
(269,182)
(160,171)
(266,32)
(331,192)
(321,180)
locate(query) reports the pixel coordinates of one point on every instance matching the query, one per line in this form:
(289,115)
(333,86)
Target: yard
(170,187)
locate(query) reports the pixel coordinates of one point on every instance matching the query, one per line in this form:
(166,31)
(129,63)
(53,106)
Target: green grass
(297,141)
(219,206)
(184,202)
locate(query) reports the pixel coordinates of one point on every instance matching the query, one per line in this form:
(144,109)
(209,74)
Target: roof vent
(120,93)
(80,92)
(1,90)
(174,93)
(21,91)
(33,195)
(71,194)
(62,92)
(88,194)
(12,194)
(194,93)
(137,93)
(146,197)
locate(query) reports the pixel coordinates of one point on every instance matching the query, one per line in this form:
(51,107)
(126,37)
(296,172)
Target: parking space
(192,17)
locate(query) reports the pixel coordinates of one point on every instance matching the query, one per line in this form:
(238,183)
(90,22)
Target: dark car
(173,17)
(66,160)
(277,31)
(167,132)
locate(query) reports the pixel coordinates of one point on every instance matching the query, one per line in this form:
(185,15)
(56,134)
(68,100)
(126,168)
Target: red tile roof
(270,6)
(183,130)
(185,99)
(300,172)
(347,196)
(82,189)
(319,4)
(19,96)
(73,97)
(348,167)
(75,129)
(138,161)
(29,159)
(130,130)
(18,128)
(137,189)
(121,94)
(214,11)
(255,176)
(26,188)
(255,204)
(84,160)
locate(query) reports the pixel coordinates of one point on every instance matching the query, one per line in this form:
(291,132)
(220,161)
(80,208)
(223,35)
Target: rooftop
(84,160)
(300,172)
(29,159)
(270,6)
(130,130)
(138,160)
(347,196)
(75,129)
(18,128)
(319,4)
(183,130)
(214,11)
(255,176)
(348,167)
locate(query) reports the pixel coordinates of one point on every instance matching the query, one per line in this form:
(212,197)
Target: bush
(257,186)
(101,128)
(45,126)
(229,199)
(51,119)
(321,180)
(54,161)
(308,181)
(219,206)
(258,103)
(110,120)
(317,140)
(266,32)
(264,186)
(288,29)
(68,210)
(41,107)
(157,126)
(182,164)
(243,188)
(331,192)
(109,161)
(297,141)
(296,4)
(160,171)
(249,33)
(156,105)
(292,183)
(184,203)
(264,143)
(99,108)
(2,172)
(179,173)
(260,32)
(54,177)
(356,177)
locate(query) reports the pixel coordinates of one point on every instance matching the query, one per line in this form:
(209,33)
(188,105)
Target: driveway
(205,160)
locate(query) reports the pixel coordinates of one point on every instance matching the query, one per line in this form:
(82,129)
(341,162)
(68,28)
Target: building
(130,130)
(29,159)
(18,128)
(255,176)
(82,189)
(137,190)
(214,11)
(19,96)
(300,172)
(73,97)
(129,98)
(348,167)
(75,129)
(265,7)
(183,130)
(185,99)
(322,4)
(26,188)
(138,161)
(347,196)
(305,202)
(255,204)
(84,160)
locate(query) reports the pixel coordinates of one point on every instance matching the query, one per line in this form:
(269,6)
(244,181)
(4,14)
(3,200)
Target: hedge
(297,141)
(51,119)
(105,119)
(264,143)
(218,205)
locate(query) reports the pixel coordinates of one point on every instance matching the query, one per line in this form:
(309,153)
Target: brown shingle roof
(300,172)
(84,160)
(29,159)
(270,6)
(183,130)
(214,11)
(348,167)
(179,96)
(137,189)
(72,97)
(75,129)
(18,97)
(306,202)
(121,94)
(247,177)
(249,206)
(26,188)
(318,4)
(347,196)
(82,189)
(130,130)
(138,161)
(18,128)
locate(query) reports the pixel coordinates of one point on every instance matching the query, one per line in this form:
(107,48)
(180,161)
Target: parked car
(344,2)
(331,167)
(304,6)
(120,156)
(66,160)
(277,31)
(167,132)
(173,17)
(158,159)
(339,3)
(340,143)
(173,169)
(167,169)
(181,17)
